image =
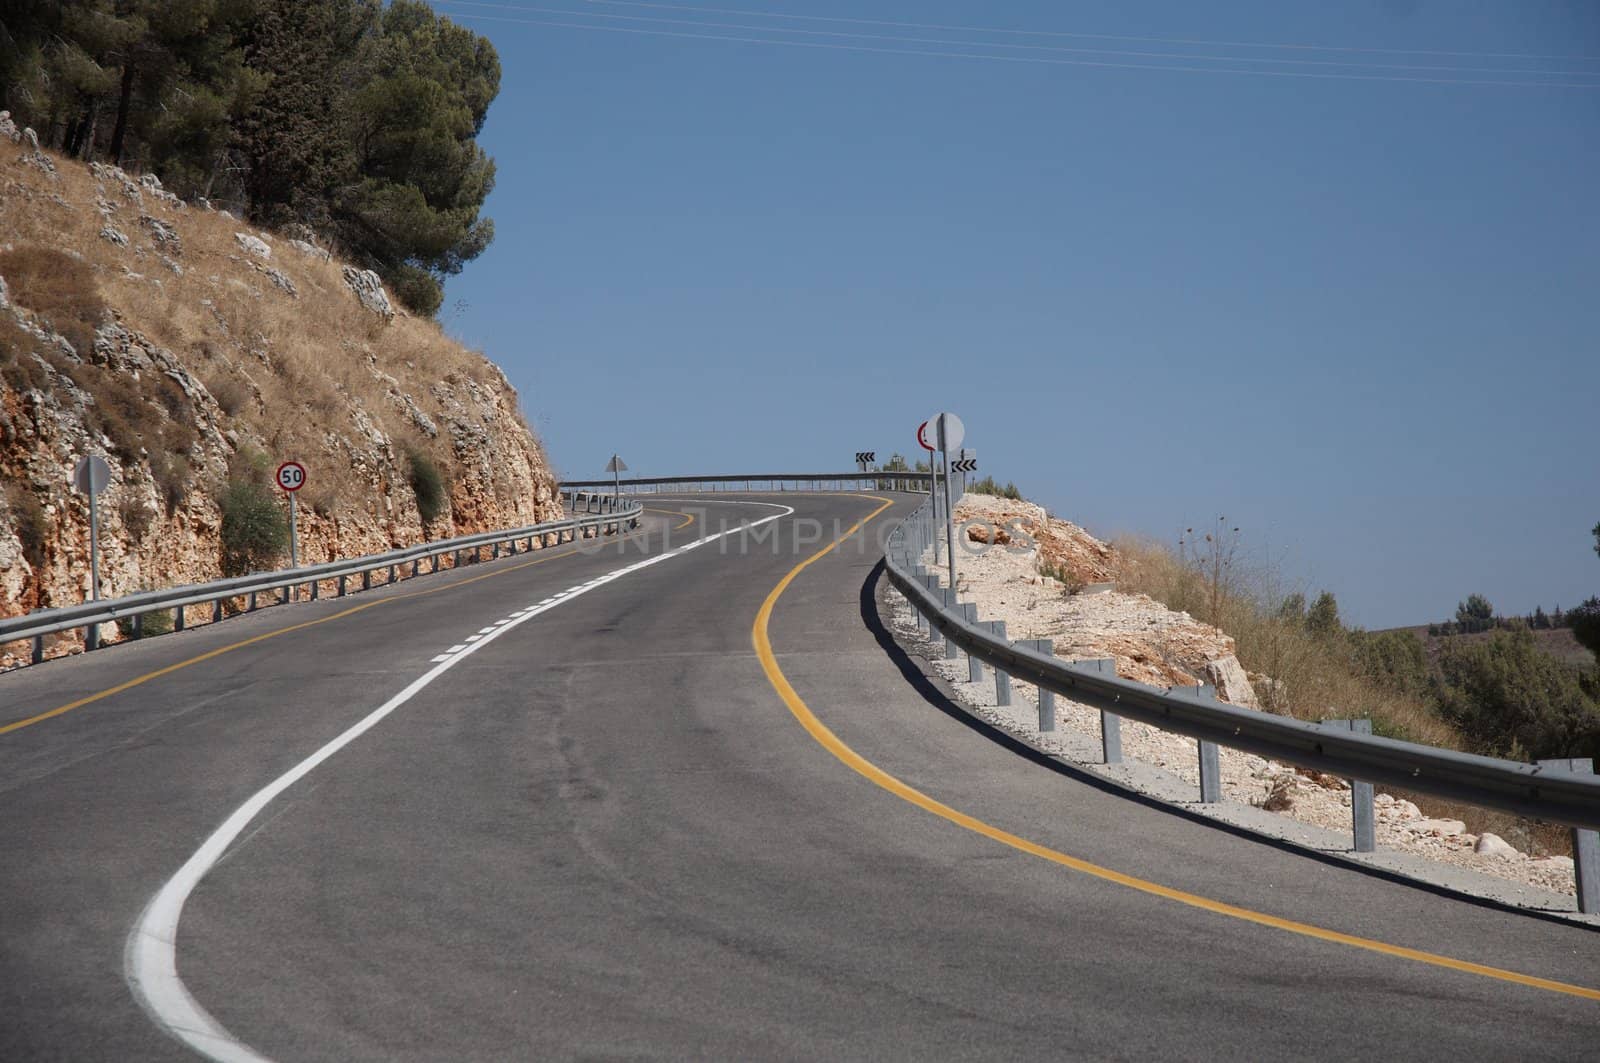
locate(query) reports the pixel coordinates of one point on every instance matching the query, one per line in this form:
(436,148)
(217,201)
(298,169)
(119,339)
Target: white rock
(1407,809)
(253,244)
(1233,686)
(8,128)
(115,235)
(1496,846)
(368,287)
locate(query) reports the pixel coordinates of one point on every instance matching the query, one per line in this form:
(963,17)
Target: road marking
(856,762)
(150,959)
(90,699)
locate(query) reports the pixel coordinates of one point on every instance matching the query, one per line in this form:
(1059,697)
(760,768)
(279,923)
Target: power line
(698,24)
(1087,36)
(1027,59)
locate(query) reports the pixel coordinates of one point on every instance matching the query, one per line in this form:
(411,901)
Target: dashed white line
(150,961)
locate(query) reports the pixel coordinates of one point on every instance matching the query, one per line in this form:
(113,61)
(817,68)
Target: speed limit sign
(291,476)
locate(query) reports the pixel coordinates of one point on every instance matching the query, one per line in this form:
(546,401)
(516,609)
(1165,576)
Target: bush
(30,524)
(1585,624)
(157,623)
(988,486)
(428,483)
(1506,696)
(255,529)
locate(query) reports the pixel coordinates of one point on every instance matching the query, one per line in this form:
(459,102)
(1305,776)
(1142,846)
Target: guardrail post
(1210,762)
(38,649)
(1110,722)
(969,613)
(252,601)
(341,586)
(366,579)
(177,617)
(1585,843)
(138,625)
(1047,698)
(494,551)
(416,567)
(1002,681)
(91,637)
(951,651)
(316,589)
(1363,830)
(391,573)
(216,610)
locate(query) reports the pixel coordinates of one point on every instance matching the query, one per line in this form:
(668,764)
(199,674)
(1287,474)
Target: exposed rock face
(8,128)
(1228,676)
(212,350)
(368,287)
(254,245)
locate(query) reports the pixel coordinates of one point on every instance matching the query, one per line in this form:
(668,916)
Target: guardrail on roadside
(1543,791)
(607,514)
(891,480)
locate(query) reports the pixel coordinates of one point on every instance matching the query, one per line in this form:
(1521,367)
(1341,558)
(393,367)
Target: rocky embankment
(1055,581)
(191,350)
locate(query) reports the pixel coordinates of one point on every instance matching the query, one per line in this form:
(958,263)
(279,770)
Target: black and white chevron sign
(866,456)
(965,465)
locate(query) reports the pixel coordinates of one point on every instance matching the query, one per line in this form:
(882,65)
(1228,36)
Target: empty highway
(645,801)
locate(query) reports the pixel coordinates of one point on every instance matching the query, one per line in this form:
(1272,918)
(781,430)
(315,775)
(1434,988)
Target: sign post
(292,477)
(949,432)
(967,462)
(616,466)
(91,476)
(927,443)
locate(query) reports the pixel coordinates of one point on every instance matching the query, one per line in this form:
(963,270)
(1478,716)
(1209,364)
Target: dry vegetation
(1310,676)
(291,368)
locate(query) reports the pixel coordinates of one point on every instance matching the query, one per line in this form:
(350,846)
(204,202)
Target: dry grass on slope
(292,369)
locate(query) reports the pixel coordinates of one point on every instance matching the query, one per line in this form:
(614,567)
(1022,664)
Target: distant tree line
(355,119)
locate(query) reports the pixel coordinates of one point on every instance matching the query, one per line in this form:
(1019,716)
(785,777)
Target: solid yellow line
(169,669)
(831,742)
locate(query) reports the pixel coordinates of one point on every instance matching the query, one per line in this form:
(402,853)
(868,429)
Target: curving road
(689,810)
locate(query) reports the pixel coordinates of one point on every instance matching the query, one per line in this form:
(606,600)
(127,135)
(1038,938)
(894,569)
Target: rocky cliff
(192,351)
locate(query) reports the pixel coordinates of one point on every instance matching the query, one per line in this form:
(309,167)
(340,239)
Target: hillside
(191,350)
(1559,643)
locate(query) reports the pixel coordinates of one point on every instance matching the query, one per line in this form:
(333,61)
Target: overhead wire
(974,55)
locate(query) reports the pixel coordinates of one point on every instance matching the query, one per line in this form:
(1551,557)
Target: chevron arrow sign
(964,465)
(864,456)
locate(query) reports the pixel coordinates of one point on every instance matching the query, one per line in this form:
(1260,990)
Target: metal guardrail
(1540,791)
(604,514)
(897,480)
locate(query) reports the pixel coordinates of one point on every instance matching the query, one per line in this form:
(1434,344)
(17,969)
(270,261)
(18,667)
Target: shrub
(1506,695)
(230,392)
(1585,624)
(255,530)
(135,518)
(157,623)
(31,525)
(58,288)
(988,486)
(428,483)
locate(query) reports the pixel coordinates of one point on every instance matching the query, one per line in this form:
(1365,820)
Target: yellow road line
(179,666)
(831,742)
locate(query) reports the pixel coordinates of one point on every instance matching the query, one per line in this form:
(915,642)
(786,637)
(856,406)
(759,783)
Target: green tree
(1322,619)
(1293,607)
(1585,624)
(1474,614)
(1394,659)
(1505,693)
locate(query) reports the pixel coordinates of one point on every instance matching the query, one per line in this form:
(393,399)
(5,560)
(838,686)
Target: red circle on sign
(922,436)
(291,476)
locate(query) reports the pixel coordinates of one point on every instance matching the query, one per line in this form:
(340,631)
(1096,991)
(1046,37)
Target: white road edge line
(150,958)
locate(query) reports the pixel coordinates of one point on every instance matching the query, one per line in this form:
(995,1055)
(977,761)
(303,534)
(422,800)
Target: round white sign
(291,476)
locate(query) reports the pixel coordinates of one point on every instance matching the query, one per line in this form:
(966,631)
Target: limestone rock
(8,128)
(368,287)
(165,236)
(1233,686)
(33,157)
(1495,846)
(310,250)
(254,245)
(1439,828)
(114,235)
(281,281)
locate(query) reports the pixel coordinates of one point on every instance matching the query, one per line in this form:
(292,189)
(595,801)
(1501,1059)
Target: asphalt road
(603,834)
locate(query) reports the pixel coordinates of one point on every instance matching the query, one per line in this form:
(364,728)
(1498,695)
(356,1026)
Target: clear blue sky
(1359,317)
